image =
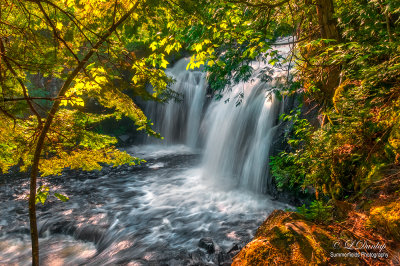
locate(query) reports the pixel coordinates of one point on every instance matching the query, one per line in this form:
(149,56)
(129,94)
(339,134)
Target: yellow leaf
(163,41)
(198,47)
(79,102)
(135,16)
(59,25)
(164,63)
(153,46)
(168,49)
(100,79)
(178,46)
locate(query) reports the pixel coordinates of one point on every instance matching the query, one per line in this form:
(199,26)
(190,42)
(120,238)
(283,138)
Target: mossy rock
(286,238)
(387,219)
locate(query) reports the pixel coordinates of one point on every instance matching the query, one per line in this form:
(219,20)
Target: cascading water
(239,136)
(156,213)
(179,122)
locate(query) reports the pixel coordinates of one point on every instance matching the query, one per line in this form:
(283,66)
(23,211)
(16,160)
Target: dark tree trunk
(327,23)
(328,29)
(32,217)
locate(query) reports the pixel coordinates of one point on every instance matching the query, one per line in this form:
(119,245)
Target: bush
(317,211)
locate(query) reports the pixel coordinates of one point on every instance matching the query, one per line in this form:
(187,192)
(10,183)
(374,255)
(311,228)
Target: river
(206,180)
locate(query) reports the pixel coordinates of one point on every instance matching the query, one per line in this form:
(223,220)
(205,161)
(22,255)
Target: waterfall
(237,138)
(156,213)
(179,122)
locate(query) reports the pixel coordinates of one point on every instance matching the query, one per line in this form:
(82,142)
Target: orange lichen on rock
(286,238)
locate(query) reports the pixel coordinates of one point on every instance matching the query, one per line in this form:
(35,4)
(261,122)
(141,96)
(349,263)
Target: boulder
(208,244)
(286,238)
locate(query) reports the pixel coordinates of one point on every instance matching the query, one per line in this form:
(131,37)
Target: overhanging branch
(261,4)
(28,98)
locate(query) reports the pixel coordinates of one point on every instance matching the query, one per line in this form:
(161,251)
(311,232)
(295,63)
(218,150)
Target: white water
(236,138)
(239,137)
(155,214)
(179,122)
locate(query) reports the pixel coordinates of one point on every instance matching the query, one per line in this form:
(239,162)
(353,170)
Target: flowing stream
(203,181)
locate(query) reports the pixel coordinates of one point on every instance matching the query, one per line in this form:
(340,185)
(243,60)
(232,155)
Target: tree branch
(260,5)
(26,97)
(55,31)
(9,115)
(71,17)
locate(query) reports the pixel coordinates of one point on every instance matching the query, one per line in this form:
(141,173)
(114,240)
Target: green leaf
(61,197)
(41,195)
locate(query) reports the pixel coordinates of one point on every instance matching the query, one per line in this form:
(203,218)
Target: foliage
(57,54)
(233,34)
(386,217)
(359,134)
(289,168)
(317,211)
(41,43)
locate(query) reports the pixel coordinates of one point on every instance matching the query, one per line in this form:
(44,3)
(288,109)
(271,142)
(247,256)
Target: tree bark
(327,23)
(40,144)
(328,30)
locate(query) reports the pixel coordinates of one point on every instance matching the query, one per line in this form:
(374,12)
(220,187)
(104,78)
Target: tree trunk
(327,23)
(32,213)
(328,30)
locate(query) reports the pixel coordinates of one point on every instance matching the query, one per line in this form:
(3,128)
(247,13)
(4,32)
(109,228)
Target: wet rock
(89,233)
(233,248)
(58,227)
(20,211)
(224,259)
(196,256)
(208,244)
